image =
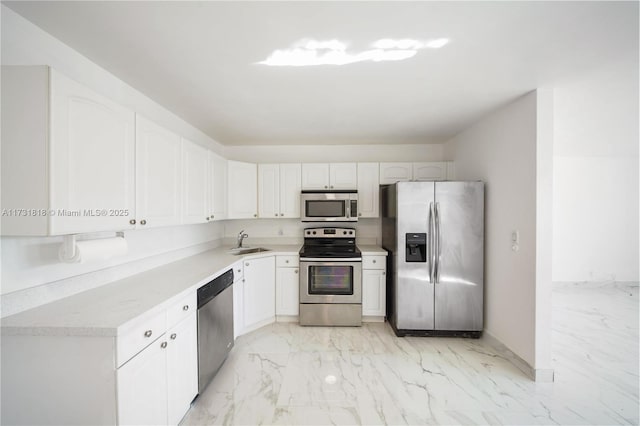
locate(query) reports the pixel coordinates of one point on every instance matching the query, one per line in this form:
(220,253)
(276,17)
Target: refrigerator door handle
(429,242)
(436,256)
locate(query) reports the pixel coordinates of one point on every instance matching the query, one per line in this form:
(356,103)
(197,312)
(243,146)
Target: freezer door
(460,251)
(414,291)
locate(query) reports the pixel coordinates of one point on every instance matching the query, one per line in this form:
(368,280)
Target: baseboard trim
(372,318)
(539,375)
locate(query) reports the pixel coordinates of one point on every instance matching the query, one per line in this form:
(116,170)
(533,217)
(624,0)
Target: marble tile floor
(287,374)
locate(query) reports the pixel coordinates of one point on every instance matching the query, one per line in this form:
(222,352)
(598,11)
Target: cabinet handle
(276,214)
(359,214)
(286,261)
(212,216)
(255,215)
(331,186)
(185,308)
(132,222)
(281,214)
(384,273)
(246,264)
(143,222)
(173,336)
(207,217)
(148,333)
(239,270)
(163,345)
(374,261)
(296,271)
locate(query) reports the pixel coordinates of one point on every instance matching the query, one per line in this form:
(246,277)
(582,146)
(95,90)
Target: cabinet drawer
(181,309)
(374,262)
(287,261)
(140,335)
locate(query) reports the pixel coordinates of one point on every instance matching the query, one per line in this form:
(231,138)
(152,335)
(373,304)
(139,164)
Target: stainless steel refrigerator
(434,233)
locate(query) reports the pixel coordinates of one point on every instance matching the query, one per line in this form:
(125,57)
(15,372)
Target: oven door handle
(331,259)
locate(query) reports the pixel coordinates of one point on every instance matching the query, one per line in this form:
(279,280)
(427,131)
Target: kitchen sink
(247,250)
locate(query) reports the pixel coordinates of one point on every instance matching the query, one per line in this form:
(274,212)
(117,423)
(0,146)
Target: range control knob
(314,232)
(344,232)
(350,232)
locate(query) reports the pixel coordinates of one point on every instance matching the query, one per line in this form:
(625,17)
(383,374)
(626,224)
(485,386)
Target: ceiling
(199,60)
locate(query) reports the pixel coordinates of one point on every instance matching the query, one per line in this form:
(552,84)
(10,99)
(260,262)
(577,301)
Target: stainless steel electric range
(330,278)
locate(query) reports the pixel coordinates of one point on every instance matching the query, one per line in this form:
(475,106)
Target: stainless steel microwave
(329,206)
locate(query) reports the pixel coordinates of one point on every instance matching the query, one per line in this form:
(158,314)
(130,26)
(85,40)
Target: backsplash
(32,274)
(289,231)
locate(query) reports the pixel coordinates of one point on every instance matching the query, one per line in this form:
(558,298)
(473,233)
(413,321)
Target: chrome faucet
(241,237)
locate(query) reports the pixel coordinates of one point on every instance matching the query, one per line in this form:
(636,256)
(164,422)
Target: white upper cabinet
(195,193)
(430,171)
(395,172)
(317,176)
(400,172)
(217,187)
(279,187)
(158,175)
(343,176)
(290,187)
(368,190)
(242,190)
(67,152)
(268,190)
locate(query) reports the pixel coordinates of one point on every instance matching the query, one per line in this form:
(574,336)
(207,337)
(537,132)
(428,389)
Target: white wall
(23,43)
(596,175)
(335,153)
(501,150)
(28,263)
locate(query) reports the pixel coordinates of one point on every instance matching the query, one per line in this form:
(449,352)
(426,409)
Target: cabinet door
(287,291)
(182,368)
(92,158)
(158,174)
(373,292)
(217,187)
(259,291)
(368,190)
(268,190)
(430,171)
(195,172)
(290,187)
(315,176)
(242,190)
(395,172)
(142,387)
(343,176)
(238,308)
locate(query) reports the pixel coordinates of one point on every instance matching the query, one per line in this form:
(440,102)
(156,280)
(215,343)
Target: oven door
(330,281)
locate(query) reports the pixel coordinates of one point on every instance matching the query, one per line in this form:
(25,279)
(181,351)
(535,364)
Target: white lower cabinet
(259,292)
(157,385)
(182,368)
(287,285)
(238,299)
(374,285)
(142,387)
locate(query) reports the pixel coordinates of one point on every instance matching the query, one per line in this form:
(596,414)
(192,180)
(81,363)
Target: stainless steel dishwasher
(215,326)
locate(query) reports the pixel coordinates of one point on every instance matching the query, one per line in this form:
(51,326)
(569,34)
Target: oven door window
(331,279)
(325,208)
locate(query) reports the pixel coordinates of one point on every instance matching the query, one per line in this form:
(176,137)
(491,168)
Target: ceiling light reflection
(309,52)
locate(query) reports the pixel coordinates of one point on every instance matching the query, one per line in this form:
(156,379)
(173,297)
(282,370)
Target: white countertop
(371,250)
(105,310)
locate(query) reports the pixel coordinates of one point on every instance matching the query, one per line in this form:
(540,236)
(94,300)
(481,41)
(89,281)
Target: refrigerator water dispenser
(416,247)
